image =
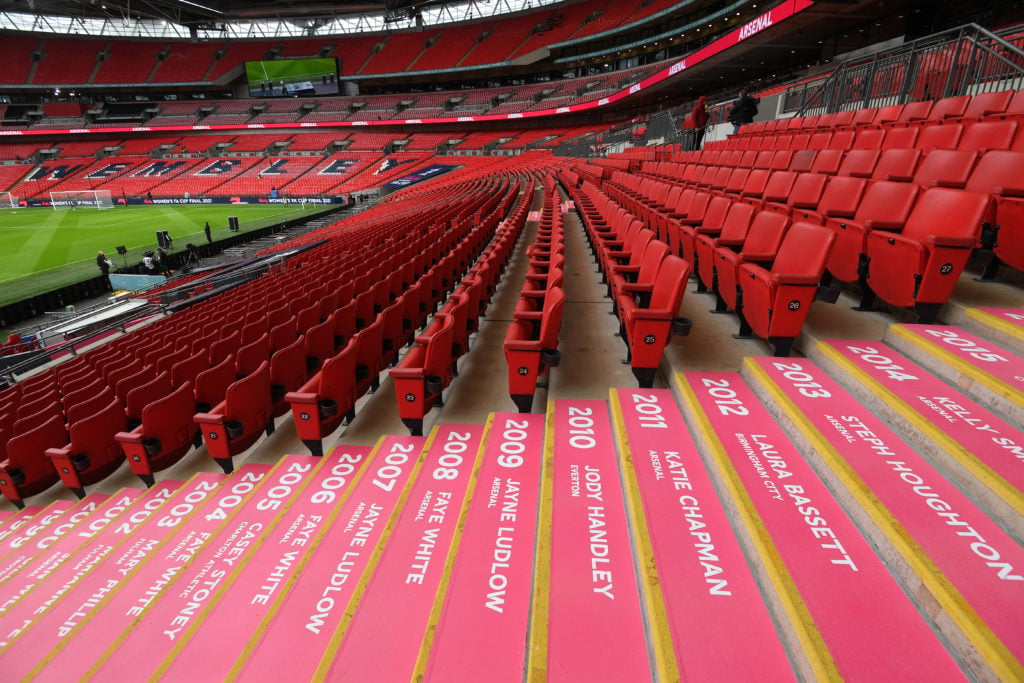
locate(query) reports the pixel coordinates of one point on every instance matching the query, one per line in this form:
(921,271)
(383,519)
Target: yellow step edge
(988,646)
(816,652)
(537,640)
(283,592)
(449,564)
(995,322)
(1006,491)
(993,384)
(666,667)
(371,564)
(186,637)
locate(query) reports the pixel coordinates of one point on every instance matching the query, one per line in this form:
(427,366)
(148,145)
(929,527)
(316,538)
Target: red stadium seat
(760,246)
(920,265)
(531,347)
(237,422)
(288,372)
(776,301)
(327,398)
(27,471)
(93,453)
(425,371)
(166,434)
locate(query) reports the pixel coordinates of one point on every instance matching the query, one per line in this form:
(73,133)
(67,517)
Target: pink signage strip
(402,591)
(853,619)
(24,548)
(210,645)
(21,519)
(990,448)
(592,613)
(1004,326)
(149,560)
(1002,370)
(4,516)
(50,515)
(154,632)
(970,565)
(751,28)
(488,598)
(69,561)
(1011,316)
(305,614)
(720,626)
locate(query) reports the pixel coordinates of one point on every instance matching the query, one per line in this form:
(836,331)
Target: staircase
(856,514)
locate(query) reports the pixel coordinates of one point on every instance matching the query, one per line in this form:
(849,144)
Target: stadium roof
(243,18)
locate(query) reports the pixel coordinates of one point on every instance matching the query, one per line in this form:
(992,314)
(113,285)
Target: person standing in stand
(699,117)
(743,111)
(206,229)
(105,265)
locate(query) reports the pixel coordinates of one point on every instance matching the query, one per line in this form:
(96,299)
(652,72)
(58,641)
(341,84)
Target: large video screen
(292,77)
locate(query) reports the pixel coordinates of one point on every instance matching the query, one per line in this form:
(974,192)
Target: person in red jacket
(699,117)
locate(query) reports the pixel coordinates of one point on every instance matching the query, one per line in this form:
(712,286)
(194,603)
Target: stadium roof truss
(226,20)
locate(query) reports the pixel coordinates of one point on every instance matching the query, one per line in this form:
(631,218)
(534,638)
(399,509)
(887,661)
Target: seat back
(946,168)
(988,103)
(248,399)
(438,358)
(859,163)
(169,418)
(320,342)
(551,321)
(251,355)
(73,412)
(915,111)
(948,213)
(998,173)
(950,108)
(225,347)
(188,369)
(144,394)
(804,250)
(779,186)
(28,470)
(288,366)
(211,384)
(167,361)
(765,235)
(93,436)
(827,161)
(897,164)
(887,205)
(986,135)
(807,190)
(283,334)
(338,374)
(670,285)
(841,197)
(737,223)
(940,136)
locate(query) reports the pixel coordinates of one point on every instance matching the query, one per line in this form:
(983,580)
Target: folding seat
(819,140)
(647,329)
(946,168)
(81,392)
(287,373)
(733,230)
(253,330)
(939,136)
(889,114)
(984,105)
(167,360)
(392,330)
(920,265)
(803,160)
(754,186)
(777,190)
(319,344)
(369,343)
(827,161)
(425,371)
(345,320)
(776,300)
(914,113)
(237,422)
(988,135)
(839,199)
(188,369)
(901,137)
(116,373)
(706,219)
(40,405)
(309,316)
(636,278)
(869,138)
(859,163)
(126,384)
(141,395)
(277,314)
(210,384)
(760,246)
(763,159)
(949,108)
(839,120)
(283,334)
(328,397)
(998,174)
(224,347)
(92,453)
(165,435)
(886,206)
(897,165)
(27,471)
(89,405)
(747,159)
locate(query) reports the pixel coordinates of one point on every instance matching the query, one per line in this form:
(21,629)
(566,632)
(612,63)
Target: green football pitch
(42,249)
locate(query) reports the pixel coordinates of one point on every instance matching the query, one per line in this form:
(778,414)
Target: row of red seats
(432,362)
(531,341)
(647,283)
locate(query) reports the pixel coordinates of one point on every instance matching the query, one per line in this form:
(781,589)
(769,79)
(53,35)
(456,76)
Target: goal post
(8,201)
(90,199)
